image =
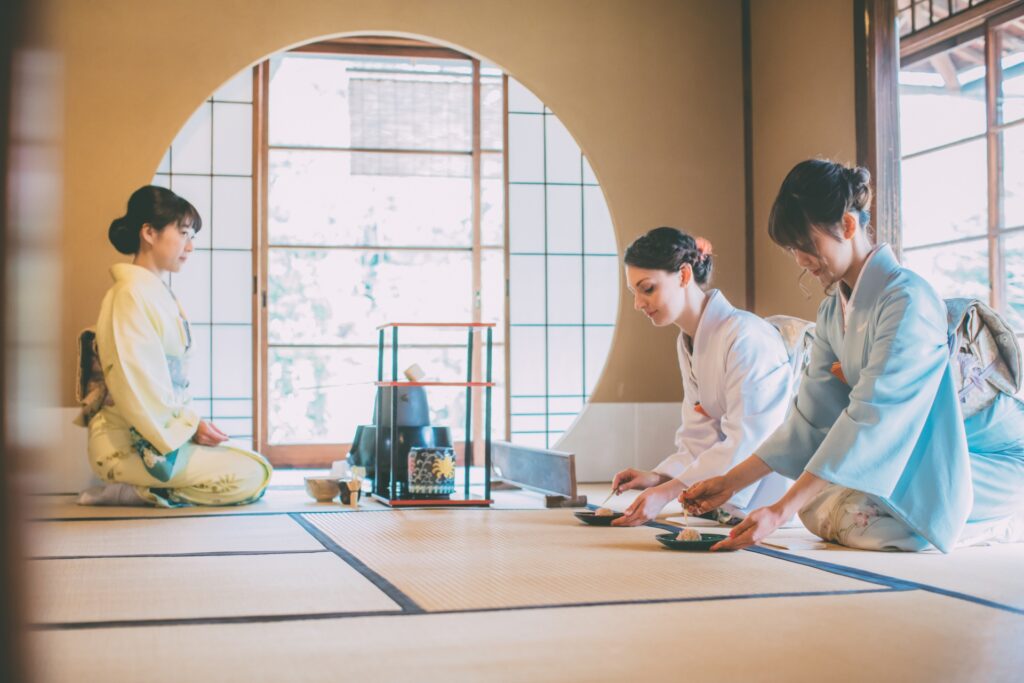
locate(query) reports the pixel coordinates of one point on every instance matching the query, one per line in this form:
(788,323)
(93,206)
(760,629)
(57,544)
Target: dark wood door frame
(876,88)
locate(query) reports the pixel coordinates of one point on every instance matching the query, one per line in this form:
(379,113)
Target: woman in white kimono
(882,457)
(735,369)
(145,440)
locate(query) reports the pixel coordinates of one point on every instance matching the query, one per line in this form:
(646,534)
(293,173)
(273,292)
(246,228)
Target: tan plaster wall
(803,106)
(651,89)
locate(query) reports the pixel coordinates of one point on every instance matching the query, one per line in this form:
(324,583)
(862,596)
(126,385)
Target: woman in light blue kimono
(876,441)
(145,440)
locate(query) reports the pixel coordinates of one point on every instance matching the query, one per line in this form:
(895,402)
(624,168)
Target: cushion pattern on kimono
(90,387)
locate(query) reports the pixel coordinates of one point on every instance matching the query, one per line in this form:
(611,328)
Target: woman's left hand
(648,504)
(754,528)
(209,435)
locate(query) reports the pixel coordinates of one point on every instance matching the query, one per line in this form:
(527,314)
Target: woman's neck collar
(144,260)
(696,301)
(862,251)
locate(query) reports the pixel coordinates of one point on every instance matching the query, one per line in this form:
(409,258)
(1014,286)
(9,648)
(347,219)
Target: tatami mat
(281,499)
(464,559)
(895,636)
(274,501)
(168,536)
(993,573)
(148,588)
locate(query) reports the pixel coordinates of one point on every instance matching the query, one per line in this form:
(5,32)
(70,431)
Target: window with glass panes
(210,164)
(917,15)
(962,167)
(375,166)
(383,177)
(563,273)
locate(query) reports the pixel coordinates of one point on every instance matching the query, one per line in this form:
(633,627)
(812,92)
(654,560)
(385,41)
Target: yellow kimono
(142,434)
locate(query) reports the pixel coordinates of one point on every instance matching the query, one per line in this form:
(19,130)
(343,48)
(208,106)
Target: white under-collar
(715,311)
(847,304)
(130,271)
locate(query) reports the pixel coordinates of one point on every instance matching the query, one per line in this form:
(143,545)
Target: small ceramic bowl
(706,541)
(323,489)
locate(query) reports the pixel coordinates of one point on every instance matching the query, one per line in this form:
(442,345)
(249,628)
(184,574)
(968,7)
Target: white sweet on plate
(688,534)
(604,512)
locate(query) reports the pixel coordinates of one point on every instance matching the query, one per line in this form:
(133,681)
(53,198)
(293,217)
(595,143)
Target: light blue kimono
(894,429)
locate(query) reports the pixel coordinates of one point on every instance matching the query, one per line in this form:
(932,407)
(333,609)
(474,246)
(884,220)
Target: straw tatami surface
(993,572)
(512,593)
(167,536)
(159,588)
(486,559)
(892,636)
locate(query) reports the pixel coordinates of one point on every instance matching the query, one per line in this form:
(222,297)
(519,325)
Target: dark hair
(156,206)
(669,249)
(816,194)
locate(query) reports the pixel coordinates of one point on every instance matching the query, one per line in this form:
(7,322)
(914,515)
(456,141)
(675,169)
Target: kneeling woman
(736,375)
(882,457)
(145,440)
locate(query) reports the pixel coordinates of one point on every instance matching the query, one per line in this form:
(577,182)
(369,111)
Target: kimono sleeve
(818,403)
(871,442)
(138,377)
(756,386)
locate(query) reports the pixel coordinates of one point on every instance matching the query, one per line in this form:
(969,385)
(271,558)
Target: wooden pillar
(876,60)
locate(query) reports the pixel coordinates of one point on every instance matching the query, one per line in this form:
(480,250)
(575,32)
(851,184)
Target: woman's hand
(712,493)
(636,479)
(649,503)
(763,521)
(757,526)
(208,435)
(707,495)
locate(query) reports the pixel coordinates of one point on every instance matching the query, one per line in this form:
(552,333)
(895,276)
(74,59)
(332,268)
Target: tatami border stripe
(202,621)
(892,582)
(268,513)
(984,602)
(842,570)
(220,553)
(79,625)
(147,517)
(68,494)
(408,605)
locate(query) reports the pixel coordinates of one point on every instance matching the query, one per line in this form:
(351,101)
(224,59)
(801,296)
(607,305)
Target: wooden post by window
(260,255)
(876,60)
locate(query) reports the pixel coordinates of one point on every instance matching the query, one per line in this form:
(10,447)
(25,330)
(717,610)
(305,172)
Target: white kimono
(737,387)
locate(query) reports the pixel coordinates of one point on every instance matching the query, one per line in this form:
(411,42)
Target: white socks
(111,494)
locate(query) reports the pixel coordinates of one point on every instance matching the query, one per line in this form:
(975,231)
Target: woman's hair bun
(670,249)
(860,187)
(121,235)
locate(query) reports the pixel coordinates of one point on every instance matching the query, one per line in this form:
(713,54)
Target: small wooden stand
(396,493)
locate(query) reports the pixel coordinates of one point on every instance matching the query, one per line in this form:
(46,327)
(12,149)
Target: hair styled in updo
(156,206)
(670,249)
(815,195)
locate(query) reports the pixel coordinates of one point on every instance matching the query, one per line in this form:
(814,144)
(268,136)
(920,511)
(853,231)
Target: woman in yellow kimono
(145,440)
